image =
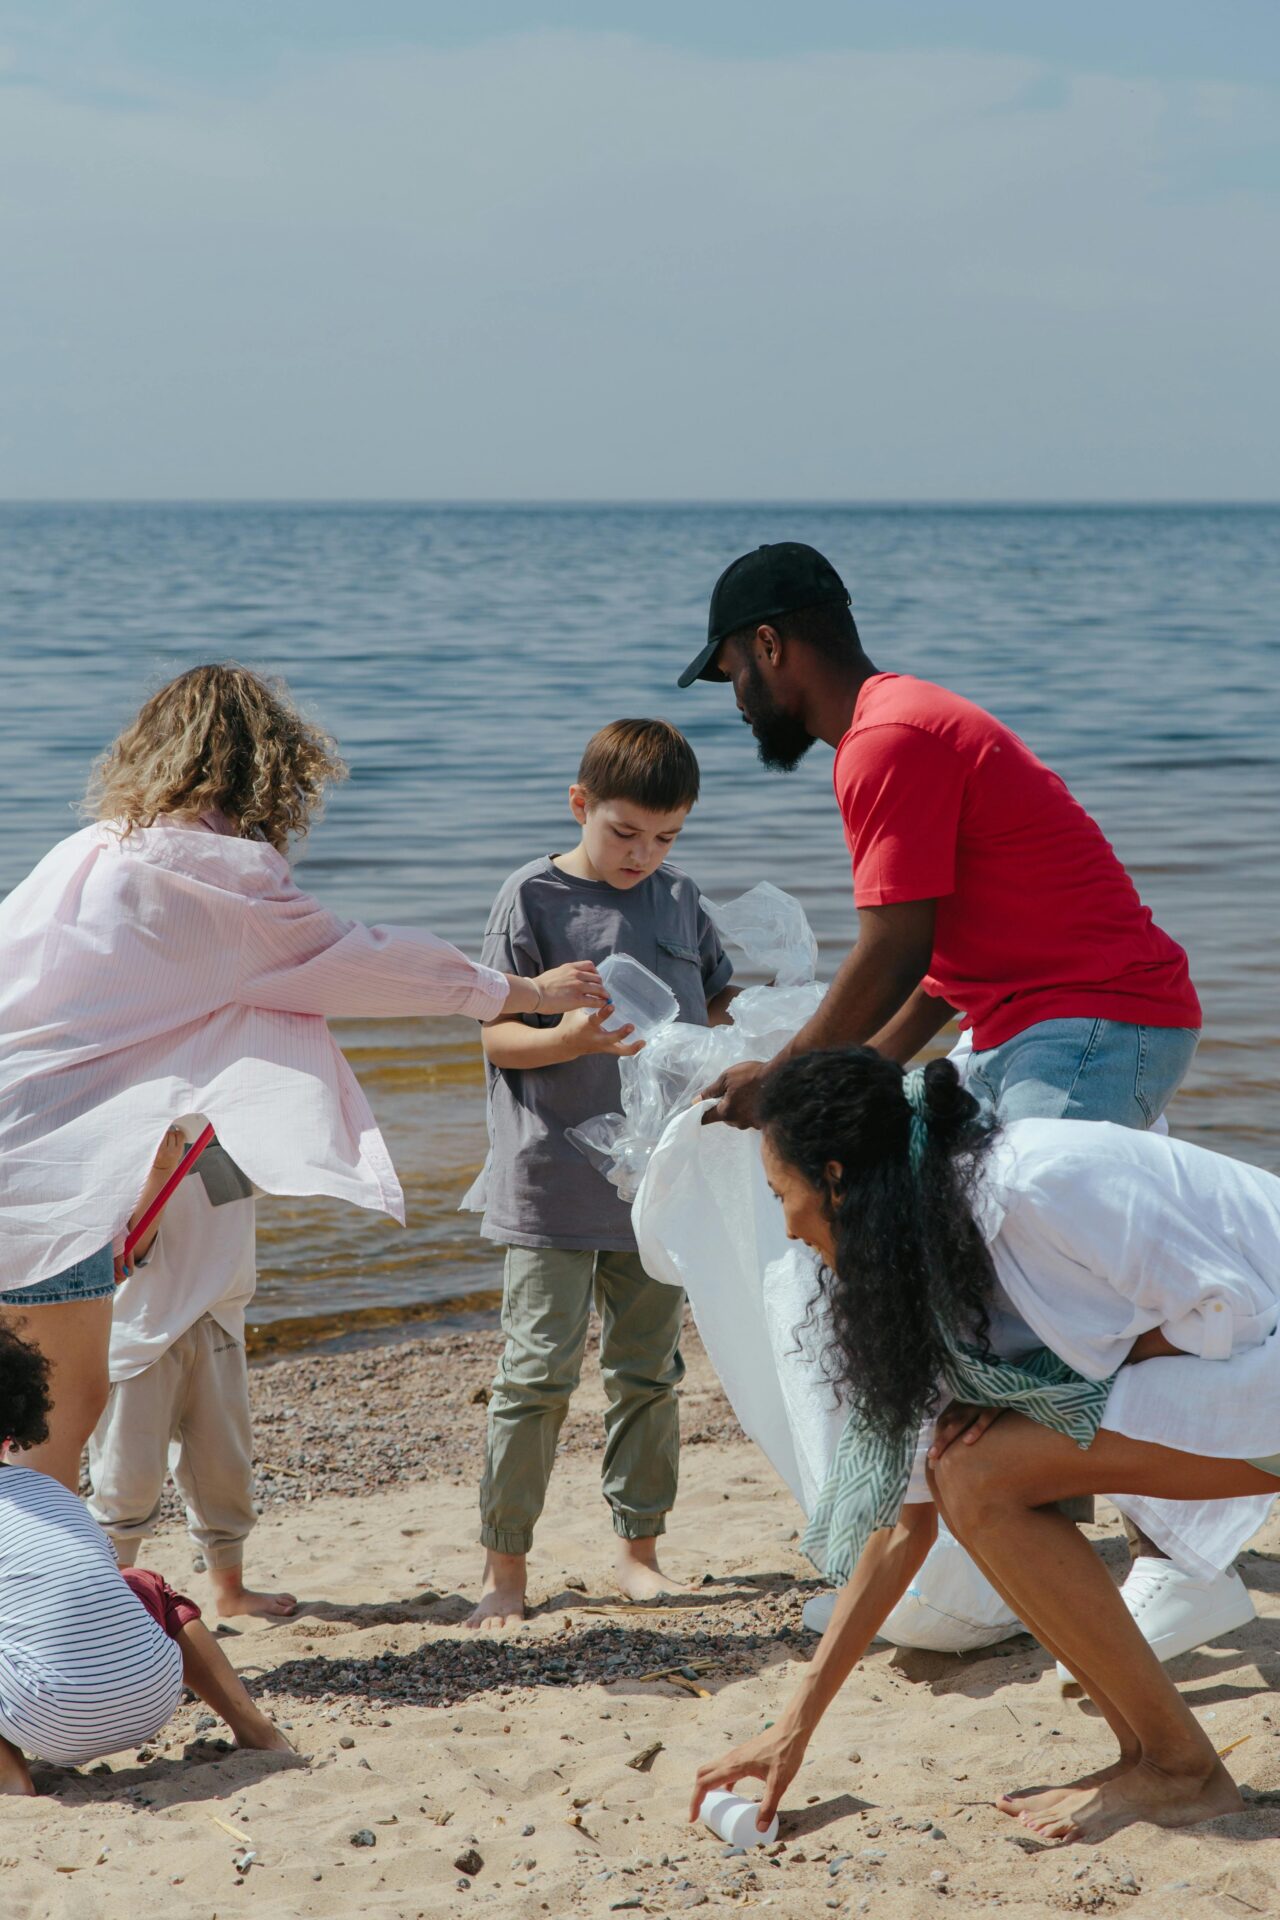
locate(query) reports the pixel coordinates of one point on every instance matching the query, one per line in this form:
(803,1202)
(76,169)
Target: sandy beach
(549,1772)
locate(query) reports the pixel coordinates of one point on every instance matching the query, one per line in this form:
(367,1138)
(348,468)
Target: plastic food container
(640,999)
(733,1818)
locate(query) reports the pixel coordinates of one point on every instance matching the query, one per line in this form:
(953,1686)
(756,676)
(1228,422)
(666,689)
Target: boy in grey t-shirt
(567,1233)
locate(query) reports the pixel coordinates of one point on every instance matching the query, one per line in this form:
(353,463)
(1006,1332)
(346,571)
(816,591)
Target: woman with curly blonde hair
(163,961)
(218,740)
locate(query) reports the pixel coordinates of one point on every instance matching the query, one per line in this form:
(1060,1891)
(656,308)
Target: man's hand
(737,1095)
(960,1422)
(774,1757)
(584,1032)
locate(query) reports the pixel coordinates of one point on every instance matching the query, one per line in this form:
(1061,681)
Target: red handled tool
(158,1205)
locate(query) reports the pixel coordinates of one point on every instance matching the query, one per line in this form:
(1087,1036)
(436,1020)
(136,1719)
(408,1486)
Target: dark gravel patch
(444,1672)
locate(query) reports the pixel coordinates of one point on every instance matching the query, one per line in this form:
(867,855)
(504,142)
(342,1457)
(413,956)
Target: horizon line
(644,503)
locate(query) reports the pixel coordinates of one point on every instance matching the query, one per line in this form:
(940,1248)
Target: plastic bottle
(733,1818)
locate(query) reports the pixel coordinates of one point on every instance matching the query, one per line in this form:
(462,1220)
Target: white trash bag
(706,1221)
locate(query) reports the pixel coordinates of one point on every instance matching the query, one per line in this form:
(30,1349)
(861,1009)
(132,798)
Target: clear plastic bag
(772,931)
(678,1059)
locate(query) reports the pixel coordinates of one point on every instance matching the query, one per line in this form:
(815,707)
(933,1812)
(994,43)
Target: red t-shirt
(1037,919)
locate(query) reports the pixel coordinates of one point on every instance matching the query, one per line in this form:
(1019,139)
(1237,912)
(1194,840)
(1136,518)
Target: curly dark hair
(911,1267)
(24,1391)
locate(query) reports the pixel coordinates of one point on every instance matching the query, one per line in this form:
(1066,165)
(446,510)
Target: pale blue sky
(842,249)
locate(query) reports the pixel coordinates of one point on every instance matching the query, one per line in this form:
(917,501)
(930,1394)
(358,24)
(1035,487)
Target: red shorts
(168,1609)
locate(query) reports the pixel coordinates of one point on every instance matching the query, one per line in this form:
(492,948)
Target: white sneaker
(1175,1611)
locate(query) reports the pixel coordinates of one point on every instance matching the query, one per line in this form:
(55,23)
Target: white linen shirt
(181,970)
(1100,1233)
(1106,1233)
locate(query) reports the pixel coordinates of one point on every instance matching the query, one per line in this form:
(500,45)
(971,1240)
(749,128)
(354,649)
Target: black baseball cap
(759,586)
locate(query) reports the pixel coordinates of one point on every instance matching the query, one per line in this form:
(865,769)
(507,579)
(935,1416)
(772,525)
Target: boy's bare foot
(638,1573)
(501,1602)
(14,1777)
(1145,1792)
(232,1597)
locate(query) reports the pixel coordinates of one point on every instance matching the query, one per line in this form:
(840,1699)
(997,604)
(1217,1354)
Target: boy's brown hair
(648,762)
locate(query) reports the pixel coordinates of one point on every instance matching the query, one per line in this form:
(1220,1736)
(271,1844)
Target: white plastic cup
(640,999)
(732,1817)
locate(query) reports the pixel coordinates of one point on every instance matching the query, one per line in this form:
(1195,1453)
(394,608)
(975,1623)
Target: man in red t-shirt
(983,889)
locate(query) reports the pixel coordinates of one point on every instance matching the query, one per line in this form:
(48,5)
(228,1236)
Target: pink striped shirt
(177,971)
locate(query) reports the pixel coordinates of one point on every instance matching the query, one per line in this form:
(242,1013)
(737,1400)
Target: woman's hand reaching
(560,990)
(576,984)
(774,1757)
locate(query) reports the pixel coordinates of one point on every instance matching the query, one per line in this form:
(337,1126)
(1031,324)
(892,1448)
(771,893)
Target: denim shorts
(91,1279)
(1084,1070)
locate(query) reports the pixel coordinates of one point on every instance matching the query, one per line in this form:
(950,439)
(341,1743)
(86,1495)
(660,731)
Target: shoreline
(296,1336)
(518,1748)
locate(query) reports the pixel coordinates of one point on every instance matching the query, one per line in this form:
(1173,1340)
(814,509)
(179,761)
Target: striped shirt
(84,1669)
(182,971)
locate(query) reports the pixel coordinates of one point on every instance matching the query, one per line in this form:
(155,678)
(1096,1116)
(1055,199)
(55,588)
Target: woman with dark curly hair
(163,961)
(998,1289)
(92,1660)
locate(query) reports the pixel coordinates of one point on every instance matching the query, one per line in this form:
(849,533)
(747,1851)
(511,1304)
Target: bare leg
(73,1338)
(996,1497)
(127,1551)
(1127,1740)
(209,1673)
(501,1602)
(14,1776)
(638,1573)
(231,1596)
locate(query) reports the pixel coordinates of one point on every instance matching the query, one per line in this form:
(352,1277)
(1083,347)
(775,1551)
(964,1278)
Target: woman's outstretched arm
(887,1565)
(298,957)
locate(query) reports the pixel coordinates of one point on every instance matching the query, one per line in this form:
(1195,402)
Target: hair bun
(949,1107)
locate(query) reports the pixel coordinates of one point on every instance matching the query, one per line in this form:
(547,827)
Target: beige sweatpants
(189,1408)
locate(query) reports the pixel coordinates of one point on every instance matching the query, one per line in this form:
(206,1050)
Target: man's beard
(781,739)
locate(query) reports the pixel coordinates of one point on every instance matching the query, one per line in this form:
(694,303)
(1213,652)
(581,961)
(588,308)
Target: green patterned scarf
(869,1476)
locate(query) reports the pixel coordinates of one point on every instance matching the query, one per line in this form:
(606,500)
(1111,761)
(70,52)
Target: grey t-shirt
(540,1191)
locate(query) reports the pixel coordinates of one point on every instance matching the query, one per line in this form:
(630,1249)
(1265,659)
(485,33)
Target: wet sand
(427,1747)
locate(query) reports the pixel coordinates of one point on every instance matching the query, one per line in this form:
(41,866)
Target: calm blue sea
(463,655)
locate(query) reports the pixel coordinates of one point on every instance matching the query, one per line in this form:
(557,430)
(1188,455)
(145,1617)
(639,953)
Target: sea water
(464,655)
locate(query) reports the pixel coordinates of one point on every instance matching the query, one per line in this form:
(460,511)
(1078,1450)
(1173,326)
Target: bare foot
(1146,1792)
(244,1600)
(501,1602)
(638,1573)
(1017,1802)
(14,1777)
(232,1597)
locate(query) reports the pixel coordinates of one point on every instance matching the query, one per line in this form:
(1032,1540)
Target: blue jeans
(91,1279)
(1084,1070)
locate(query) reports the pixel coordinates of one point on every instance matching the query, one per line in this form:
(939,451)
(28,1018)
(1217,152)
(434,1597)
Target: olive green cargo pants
(546,1306)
